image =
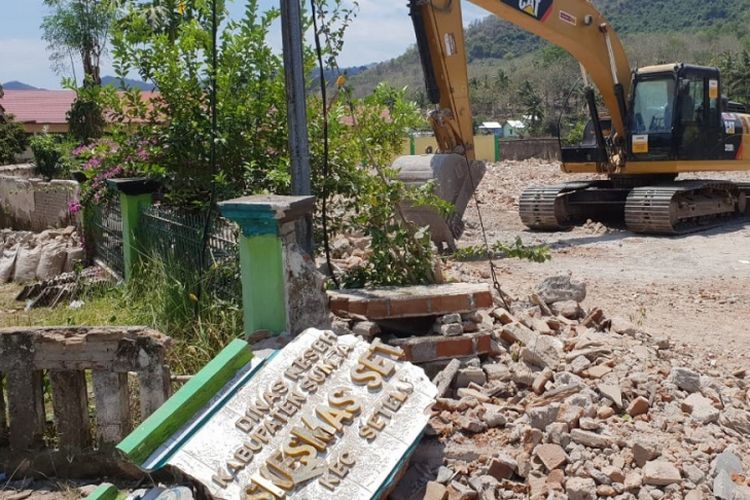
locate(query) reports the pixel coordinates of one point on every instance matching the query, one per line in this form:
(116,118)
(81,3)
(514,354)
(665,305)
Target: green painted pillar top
(260,215)
(134,186)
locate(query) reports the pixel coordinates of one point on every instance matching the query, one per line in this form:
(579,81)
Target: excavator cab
(675,114)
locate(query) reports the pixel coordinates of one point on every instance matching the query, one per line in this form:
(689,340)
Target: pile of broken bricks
(547,400)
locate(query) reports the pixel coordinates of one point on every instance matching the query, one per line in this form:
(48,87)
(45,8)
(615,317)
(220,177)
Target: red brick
(409,307)
(483,300)
(339,306)
(451,303)
(376,309)
(407,352)
(454,347)
(483,343)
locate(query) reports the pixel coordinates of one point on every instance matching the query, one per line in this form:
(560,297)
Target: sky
(381,31)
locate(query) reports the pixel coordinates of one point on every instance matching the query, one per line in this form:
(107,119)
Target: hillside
(652,32)
(15,85)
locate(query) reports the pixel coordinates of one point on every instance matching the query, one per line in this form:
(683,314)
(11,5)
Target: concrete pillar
(136,194)
(281,292)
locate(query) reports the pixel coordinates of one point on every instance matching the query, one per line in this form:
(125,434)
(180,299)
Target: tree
(13,139)
(735,73)
(79,29)
(533,107)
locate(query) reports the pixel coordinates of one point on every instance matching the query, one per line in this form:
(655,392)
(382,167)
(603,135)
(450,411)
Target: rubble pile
(26,256)
(575,405)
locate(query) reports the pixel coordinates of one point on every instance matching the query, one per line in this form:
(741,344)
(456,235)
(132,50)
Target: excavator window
(653,106)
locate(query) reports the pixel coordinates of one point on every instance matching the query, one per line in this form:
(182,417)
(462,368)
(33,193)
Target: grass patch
(161,296)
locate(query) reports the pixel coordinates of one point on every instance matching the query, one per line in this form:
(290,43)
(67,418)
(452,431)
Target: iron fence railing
(176,237)
(105,230)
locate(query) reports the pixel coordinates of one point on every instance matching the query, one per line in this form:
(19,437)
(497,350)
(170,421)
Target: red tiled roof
(44,106)
(38,106)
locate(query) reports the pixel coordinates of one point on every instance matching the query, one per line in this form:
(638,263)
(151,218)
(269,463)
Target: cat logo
(538,9)
(531,7)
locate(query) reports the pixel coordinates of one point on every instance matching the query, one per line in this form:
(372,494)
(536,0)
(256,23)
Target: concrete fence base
(76,363)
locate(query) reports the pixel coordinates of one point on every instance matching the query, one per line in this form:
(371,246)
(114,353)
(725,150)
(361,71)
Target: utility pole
(299,146)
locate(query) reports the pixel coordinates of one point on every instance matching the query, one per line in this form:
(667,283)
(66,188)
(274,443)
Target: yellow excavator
(662,121)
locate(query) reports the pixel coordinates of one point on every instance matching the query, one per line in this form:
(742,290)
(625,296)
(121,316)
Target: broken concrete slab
(414,301)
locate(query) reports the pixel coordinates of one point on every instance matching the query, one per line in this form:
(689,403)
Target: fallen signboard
(325,417)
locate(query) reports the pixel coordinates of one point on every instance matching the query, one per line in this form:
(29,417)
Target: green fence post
(412,145)
(265,221)
(135,195)
(497,148)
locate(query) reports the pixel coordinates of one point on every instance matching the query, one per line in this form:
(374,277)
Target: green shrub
(13,139)
(47,154)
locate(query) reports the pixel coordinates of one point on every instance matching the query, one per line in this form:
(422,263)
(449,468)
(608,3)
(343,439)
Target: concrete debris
(561,288)
(638,406)
(563,409)
(701,409)
(643,451)
(661,473)
(686,379)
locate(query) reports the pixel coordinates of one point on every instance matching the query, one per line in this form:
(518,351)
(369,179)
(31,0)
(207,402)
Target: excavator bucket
(455,177)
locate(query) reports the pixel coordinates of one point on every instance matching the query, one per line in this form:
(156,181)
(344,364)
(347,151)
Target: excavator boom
(574,25)
(580,29)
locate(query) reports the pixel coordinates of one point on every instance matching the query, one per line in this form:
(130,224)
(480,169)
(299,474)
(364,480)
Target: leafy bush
(129,156)
(47,154)
(173,52)
(13,139)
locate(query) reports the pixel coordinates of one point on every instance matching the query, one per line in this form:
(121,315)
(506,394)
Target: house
(513,128)
(493,128)
(39,110)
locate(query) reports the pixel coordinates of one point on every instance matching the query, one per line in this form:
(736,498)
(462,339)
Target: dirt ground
(694,289)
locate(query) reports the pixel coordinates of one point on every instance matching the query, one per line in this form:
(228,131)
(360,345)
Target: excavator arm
(440,40)
(574,25)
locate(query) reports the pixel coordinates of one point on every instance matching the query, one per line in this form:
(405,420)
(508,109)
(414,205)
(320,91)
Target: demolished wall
(34,204)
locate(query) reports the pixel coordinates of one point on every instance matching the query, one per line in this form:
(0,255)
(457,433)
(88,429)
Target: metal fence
(176,237)
(105,230)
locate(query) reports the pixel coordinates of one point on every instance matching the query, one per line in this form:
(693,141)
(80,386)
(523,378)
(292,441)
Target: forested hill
(508,65)
(494,38)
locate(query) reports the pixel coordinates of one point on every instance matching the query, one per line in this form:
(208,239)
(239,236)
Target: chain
(493,268)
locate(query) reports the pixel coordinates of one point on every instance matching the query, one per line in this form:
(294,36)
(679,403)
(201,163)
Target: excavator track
(543,208)
(682,207)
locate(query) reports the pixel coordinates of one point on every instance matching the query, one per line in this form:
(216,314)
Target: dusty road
(694,289)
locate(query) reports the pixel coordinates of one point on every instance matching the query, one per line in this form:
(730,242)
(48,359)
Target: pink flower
(92,163)
(74,206)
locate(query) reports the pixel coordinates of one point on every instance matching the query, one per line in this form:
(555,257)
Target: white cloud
(26,60)
(381,31)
